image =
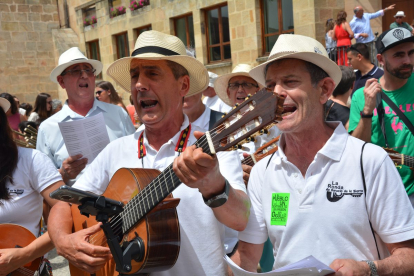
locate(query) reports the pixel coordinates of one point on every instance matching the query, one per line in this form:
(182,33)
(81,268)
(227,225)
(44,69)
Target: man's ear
(60,81)
(327,86)
(381,59)
(185,85)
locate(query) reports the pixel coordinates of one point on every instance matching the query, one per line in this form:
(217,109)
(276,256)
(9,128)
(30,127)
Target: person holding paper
(76,74)
(311,197)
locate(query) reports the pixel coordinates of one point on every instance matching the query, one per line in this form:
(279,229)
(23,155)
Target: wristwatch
(218,200)
(372,266)
(363,115)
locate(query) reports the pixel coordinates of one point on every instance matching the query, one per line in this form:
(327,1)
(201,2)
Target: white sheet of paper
(309,266)
(87,136)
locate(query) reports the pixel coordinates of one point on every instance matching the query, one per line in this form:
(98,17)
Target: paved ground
(59,264)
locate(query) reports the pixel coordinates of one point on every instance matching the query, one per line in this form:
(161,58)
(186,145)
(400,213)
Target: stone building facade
(33,33)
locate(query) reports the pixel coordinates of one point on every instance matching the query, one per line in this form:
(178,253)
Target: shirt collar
(332,149)
(67,113)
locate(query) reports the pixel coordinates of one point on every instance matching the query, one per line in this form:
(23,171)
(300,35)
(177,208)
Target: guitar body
(159,229)
(12,236)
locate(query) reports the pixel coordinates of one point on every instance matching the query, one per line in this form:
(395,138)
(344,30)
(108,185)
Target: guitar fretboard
(164,184)
(408,161)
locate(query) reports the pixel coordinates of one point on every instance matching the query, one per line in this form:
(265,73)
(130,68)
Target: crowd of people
(329,190)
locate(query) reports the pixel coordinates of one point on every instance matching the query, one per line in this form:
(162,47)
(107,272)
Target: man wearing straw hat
(211,100)
(322,193)
(76,74)
(159,75)
(399,22)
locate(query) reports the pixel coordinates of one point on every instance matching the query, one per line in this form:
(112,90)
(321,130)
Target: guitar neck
(163,185)
(249,160)
(408,161)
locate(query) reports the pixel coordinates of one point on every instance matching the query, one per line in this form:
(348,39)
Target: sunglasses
(78,72)
(99,92)
(399,17)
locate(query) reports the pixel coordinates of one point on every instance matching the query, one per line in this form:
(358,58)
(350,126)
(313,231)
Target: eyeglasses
(78,72)
(246,85)
(353,48)
(99,92)
(399,17)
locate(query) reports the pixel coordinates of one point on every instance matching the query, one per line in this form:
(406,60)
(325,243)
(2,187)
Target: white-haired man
(302,197)
(76,74)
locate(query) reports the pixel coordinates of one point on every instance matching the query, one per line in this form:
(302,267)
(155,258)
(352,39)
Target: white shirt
(327,213)
(50,140)
(215,103)
(34,173)
(201,251)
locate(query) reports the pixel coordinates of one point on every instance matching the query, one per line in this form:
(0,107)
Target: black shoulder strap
(214,117)
(268,162)
(400,114)
(365,193)
(381,115)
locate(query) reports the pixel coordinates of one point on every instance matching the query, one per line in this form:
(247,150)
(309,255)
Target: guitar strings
(23,271)
(149,192)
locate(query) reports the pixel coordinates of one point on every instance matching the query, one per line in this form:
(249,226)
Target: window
(114,3)
(184,29)
(122,47)
(142,29)
(277,19)
(92,51)
(218,34)
(89,15)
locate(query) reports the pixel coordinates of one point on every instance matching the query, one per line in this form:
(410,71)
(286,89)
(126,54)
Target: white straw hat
(222,82)
(299,47)
(153,45)
(212,78)
(5,104)
(399,13)
(74,56)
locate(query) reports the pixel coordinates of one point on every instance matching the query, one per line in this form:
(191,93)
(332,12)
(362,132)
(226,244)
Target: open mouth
(84,85)
(287,110)
(240,98)
(148,103)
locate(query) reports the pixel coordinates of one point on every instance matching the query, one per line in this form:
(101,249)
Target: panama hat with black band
(392,38)
(5,104)
(71,57)
(299,47)
(153,45)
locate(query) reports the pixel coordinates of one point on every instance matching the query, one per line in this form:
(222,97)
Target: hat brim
(326,64)
(5,104)
(222,82)
(119,71)
(96,64)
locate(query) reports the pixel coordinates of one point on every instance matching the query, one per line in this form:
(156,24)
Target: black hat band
(154,50)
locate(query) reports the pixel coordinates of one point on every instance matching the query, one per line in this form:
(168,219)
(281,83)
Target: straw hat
(74,56)
(399,13)
(222,82)
(153,45)
(5,104)
(299,47)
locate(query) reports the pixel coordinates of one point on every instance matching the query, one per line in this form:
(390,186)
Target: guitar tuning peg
(251,139)
(264,131)
(235,106)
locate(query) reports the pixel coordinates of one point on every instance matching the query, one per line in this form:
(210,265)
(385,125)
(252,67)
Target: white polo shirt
(327,213)
(201,251)
(215,103)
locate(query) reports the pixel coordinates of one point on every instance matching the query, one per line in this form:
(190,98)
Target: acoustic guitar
(265,150)
(13,236)
(400,159)
(149,212)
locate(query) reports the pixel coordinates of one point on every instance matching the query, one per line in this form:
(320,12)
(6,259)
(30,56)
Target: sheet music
(309,266)
(87,136)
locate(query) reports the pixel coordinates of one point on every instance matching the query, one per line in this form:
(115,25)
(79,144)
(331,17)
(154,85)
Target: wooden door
(407,6)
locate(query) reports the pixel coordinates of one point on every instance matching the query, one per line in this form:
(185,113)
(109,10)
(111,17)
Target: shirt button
(295,175)
(300,191)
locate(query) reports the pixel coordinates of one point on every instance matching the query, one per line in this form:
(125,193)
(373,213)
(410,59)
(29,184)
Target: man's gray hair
(55,103)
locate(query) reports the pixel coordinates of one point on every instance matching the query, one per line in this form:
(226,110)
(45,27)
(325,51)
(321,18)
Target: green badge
(280,208)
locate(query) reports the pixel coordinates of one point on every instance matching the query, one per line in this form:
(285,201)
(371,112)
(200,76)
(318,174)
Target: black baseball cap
(392,38)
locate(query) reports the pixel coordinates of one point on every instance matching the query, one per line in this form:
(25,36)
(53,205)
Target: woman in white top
(42,108)
(27,177)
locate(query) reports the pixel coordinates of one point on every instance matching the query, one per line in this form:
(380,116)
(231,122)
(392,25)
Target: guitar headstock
(267,149)
(245,121)
(396,157)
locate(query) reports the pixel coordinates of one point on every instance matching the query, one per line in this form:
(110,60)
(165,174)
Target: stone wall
(26,47)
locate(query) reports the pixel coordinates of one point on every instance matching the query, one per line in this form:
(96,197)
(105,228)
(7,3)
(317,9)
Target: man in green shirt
(400,23)
(396,53)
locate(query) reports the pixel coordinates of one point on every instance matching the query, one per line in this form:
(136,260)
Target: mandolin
(149,213)
(265,150)
(13,236)
(400,159)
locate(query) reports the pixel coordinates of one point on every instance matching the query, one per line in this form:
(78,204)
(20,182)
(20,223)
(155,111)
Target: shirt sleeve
(43,173)
(230,168)
(129,127)
(354,115)
(375,14)
(42,145)
(392,220)
(256,230)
